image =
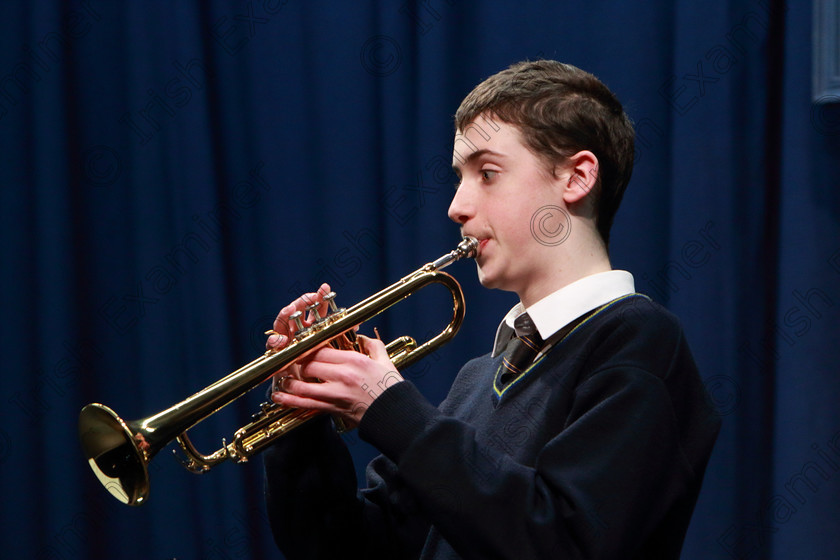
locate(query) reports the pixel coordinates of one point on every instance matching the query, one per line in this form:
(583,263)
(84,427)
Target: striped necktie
(520,354)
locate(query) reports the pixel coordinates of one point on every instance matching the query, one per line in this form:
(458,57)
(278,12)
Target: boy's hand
(284,329)
(341,382)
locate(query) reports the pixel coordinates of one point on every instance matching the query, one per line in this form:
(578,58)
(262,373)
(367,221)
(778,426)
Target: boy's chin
(488,279)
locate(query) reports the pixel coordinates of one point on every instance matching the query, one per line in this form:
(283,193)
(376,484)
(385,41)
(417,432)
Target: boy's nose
(460,210)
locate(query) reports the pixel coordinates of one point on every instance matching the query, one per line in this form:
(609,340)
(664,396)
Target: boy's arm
(314,507)
(597,489)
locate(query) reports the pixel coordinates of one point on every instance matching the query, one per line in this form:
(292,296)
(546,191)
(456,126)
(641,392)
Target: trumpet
(119,452)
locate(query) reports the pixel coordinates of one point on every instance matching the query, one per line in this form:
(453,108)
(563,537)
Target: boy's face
(504,190)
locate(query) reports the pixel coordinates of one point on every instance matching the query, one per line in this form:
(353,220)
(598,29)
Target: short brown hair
(561,110)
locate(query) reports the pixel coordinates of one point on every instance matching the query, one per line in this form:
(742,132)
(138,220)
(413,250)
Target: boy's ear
(583,176)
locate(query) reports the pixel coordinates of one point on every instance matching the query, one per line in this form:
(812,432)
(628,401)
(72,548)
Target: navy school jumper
(597,451)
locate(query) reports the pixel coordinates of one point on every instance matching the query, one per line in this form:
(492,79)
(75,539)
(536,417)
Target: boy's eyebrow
(474,156)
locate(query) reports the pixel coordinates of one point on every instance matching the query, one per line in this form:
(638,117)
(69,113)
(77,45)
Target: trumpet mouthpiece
(468,247)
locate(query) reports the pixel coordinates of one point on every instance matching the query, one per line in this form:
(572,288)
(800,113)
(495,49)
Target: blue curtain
(173,173)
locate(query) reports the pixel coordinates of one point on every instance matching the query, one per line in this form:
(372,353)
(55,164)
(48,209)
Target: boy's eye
(488,174)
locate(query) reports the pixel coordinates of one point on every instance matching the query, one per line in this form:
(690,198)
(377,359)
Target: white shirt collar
(560,308)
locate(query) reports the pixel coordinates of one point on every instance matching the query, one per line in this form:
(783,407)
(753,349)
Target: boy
(593,447)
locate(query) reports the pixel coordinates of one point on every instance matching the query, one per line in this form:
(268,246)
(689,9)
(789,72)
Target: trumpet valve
(314,313)
(330,299)
(297,319)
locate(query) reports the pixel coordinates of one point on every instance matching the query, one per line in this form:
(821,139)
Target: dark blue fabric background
(175,172)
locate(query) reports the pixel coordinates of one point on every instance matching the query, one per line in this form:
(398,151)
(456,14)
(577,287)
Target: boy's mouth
(482,241)
(480,249)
